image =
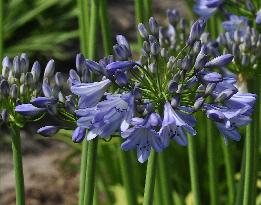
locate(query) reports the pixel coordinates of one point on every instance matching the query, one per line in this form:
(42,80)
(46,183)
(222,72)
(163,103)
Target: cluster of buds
(244,43)
(18,85)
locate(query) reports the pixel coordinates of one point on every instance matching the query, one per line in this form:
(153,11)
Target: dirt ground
(46,183)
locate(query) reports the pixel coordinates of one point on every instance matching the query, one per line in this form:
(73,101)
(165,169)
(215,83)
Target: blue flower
(90,93)
(108,116)
(28,110)
(227,120)
(142,136)
(206,8)
(258,17)
(119,65)
(174,124)
(236,23)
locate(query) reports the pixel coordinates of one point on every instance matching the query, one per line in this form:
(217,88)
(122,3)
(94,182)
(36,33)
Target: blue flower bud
(225,95)
(153,67)
(59,79)
(121,78)
(4,115)
(186,63)
(196,30)
(93,66)
(152,39)
(146,46)
(172,86)
(14,91)
(6,67)
(175,101)
(43,102)
(213,77)
(199,103)
(25,62)
(143,31)
(210,87)
(119,65)
(121,52)
(28,79)
(220,61)
(47,91)
(36,71)
(155,48)
(78,134)
(48,131)
(137,93)
(23,90)
(80,62)
(49,69)
(173,16)
(28,109)
(154,27)
(74,77)
(164,53)
(4,88)
(121,40)
(17,67)
(258,17)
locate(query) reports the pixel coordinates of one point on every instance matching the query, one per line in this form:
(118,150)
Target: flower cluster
(151,101)
(18,85)
(207,8)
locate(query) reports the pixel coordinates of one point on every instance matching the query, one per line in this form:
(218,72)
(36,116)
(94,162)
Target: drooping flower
(48,131)
(108,116)
(90,93)
(174,124)
(142,136)
(28,110)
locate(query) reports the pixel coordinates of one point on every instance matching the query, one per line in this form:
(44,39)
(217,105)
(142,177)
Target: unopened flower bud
(49,69)
(143,31)
(48,131)
(17,67)
(154,27)
(14,91)
(59,79)
(36,71)
(78,134)
(4,88)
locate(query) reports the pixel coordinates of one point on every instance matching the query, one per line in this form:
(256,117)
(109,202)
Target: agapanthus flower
(142,136)
(206,8)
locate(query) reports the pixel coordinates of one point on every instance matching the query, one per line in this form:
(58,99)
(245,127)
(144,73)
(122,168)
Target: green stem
(147,10)
(90,171)
(150,178)
(249,169)
(229,172)
(18,165)
(83,6)
(158,200)
(92,44)
(1,29)
(164,180)
(252,147)
(240,186)
(139,17)
(212,170)
(127,176)
(193,170)
(83,172)
(105,27)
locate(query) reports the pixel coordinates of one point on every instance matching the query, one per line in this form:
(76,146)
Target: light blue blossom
(236,23)
(142,136)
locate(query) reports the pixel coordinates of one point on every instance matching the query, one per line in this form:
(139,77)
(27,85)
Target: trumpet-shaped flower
(142,136)
(174,124)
